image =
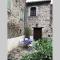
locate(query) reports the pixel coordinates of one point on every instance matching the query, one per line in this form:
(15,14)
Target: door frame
(34,34)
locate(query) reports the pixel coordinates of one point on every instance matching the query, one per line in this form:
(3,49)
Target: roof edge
(38,1)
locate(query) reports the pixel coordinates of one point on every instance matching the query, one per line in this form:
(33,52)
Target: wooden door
(37,34)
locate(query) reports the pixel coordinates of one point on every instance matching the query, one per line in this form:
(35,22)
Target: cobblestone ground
(16,53)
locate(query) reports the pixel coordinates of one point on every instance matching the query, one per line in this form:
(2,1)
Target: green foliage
(43,50)
(27,32)
(44,46)
(34,56)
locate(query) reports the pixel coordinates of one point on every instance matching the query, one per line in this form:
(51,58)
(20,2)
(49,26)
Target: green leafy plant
(43,51)
(45,46)
(34,56)
(27,32)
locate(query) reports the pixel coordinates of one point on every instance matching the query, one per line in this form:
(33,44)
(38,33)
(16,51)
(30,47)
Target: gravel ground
(13,42)
(18,52)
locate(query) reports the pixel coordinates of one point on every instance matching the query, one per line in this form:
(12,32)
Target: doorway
(37,33)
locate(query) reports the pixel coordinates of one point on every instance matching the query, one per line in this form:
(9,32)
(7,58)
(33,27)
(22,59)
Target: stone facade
(42,18)
(19,14)
(16,18)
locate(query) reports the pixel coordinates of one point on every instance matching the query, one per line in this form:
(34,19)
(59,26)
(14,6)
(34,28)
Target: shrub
(33,56)
(44,46)
(43,49)
(36,56)
(27,32)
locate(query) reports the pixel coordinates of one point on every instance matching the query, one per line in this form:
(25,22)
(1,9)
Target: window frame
(33,11)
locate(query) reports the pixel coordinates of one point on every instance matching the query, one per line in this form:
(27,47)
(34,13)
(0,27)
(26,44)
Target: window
(16,1)
(48,35)
(20,31)
(33,11)
(36,24)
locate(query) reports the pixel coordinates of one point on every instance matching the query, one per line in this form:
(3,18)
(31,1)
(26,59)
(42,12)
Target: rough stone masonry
(43,17)
(20,15)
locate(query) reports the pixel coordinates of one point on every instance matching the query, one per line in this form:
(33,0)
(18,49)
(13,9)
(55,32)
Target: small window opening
(20,31)
(37,25)
(33,11)
(48,35)
(16,1)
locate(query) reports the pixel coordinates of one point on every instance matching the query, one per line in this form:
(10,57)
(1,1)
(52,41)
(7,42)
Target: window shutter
(37,11)
(28,11)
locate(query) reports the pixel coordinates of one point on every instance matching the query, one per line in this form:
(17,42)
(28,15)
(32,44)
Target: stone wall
(42,18)
(16,18)
(19,15)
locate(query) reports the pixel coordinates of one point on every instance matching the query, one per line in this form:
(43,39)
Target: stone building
(39,18)
(35,14)
(16,10)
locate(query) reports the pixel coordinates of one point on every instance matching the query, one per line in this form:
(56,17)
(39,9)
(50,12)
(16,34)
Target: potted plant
(27,42)
(27,32)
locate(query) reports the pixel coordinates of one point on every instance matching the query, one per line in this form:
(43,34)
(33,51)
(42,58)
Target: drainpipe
(19,10)
(25,16)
